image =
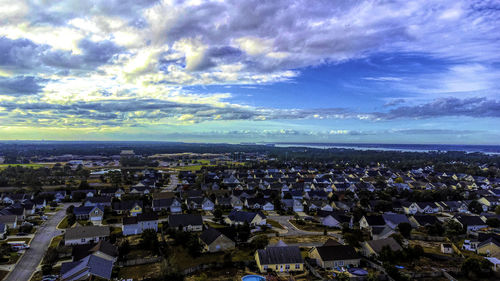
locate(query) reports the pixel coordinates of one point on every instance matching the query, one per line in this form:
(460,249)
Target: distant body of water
(486,149)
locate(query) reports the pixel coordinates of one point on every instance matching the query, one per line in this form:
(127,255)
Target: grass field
(35,166)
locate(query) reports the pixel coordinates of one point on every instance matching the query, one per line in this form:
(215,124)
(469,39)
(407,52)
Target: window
(83,240)
(276,267)
(297,266)
(341,263)
(265,267)
(287,266)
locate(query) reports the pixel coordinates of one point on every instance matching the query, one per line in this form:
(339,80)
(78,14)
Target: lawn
(300,239)
(140,272)
(35,166)
(308,226)
(64,223)
(3,274)
(182,259)
(274,223)
(55,241)
(191,167)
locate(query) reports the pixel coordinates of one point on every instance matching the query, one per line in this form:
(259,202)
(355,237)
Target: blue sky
(253,71)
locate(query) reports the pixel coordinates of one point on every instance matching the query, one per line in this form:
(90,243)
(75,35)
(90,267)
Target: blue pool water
(253,278)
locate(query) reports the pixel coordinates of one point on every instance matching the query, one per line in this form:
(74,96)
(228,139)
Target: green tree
(260,242)
(475,267)
(405,229)
(342,277)
(475,207)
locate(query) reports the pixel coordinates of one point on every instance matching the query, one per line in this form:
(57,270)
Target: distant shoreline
(486,149)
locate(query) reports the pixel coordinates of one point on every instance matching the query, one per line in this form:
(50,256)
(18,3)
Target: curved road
(30,260)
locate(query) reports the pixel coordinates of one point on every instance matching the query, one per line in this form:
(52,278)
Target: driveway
(291,230)
(30,260)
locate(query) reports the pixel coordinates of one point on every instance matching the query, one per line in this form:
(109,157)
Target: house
(297,206)
(194,203)
(112,192)
(241,217)
(470,223)
(236,203)
(392,220)
(423,220)
(207,205)
(279,259)
(87,268)
(374,247)
(489,247)
(331,219)
(337,256)
(381,232)
(186,222)
(470,245)
(421,207)
(9,220)
(103,249)
(98,200)
(171,204)
(368,222)
(3,231)
(446,248)
(92,213)
(137,224)
(130,206)
(85,234)
(214,241)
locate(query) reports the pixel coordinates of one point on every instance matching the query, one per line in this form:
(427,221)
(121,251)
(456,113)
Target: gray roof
(395,218)
(280,255)
(91,264)
(86,232)
(184,220)
(377,245)
(209,235)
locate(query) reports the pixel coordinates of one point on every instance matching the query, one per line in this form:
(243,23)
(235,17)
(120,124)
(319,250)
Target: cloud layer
(97,64)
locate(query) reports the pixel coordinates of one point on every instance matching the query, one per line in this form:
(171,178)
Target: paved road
(28,263)
(291,230)
(172,185)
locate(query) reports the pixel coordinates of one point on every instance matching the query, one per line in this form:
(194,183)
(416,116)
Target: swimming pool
(253,278)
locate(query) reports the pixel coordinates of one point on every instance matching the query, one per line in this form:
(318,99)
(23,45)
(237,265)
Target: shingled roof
(86,232)
(338,252)
(280,255)
(184,220)
(209,235)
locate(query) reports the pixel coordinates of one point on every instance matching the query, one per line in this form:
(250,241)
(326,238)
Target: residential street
(28,263)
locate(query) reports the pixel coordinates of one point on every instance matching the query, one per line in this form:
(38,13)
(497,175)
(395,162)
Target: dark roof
(86,232)
(139,218)
(184,220)
(331,242)
(375,220)
(241,216)
(377,245)
(426,219)
(94,264)
(470,220)
(82,210)
(126,205)
(280,255)
(81,251)
(209,235)
(338,252)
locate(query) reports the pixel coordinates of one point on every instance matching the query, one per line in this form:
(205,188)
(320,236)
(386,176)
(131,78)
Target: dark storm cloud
(471,107)
(24,56)
(21,85)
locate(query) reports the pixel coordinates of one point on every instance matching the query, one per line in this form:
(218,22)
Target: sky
(251,71)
